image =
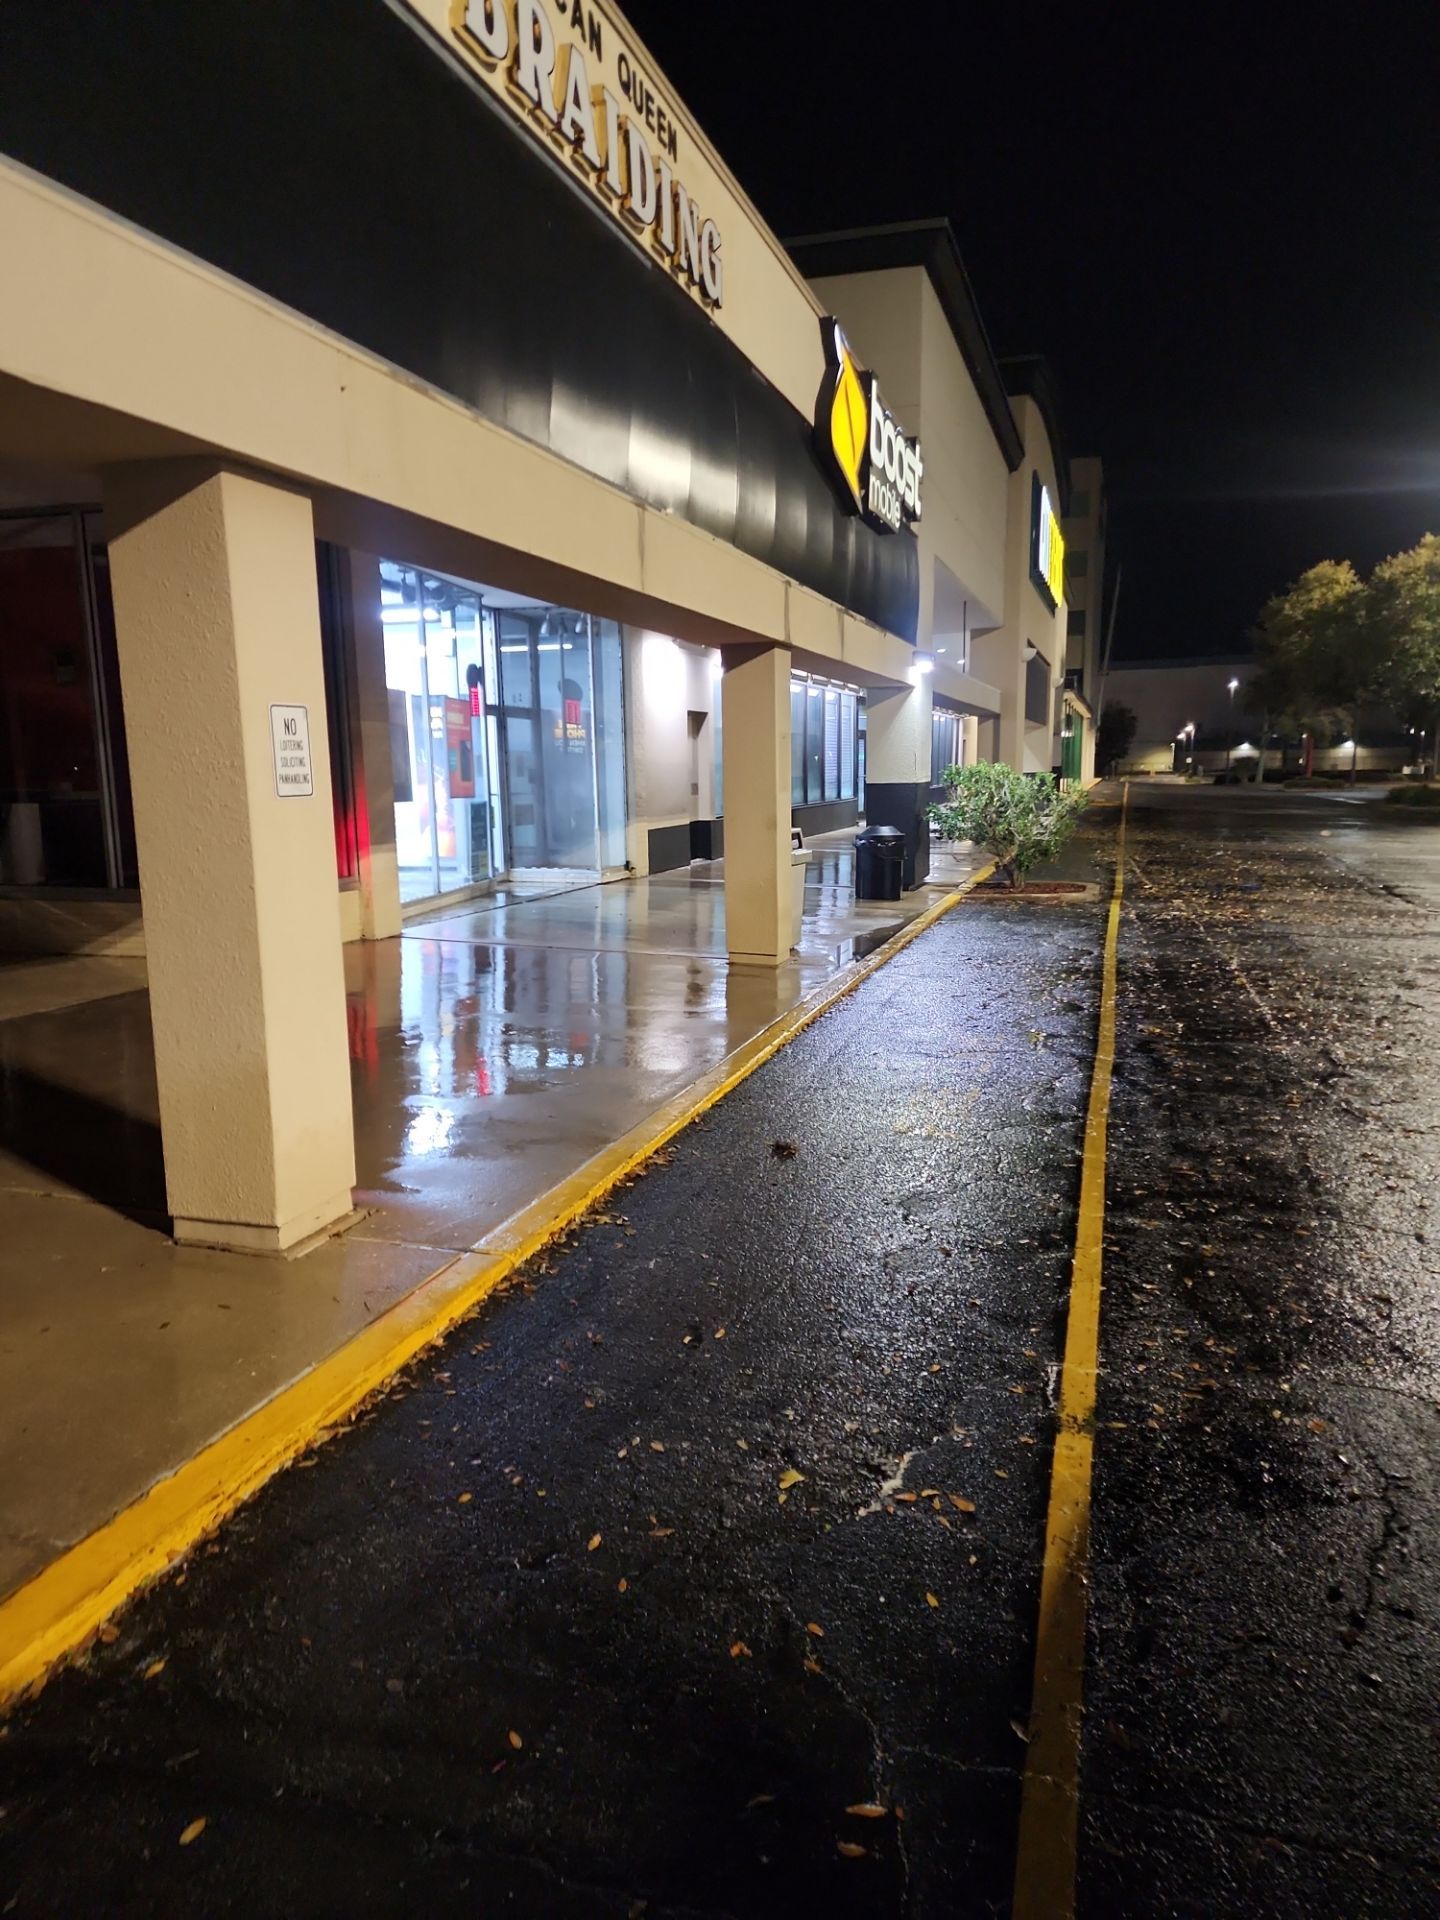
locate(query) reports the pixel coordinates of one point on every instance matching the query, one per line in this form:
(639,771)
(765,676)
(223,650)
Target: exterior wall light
(924,663)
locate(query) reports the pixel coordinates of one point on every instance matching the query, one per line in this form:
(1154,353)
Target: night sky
(1221,224)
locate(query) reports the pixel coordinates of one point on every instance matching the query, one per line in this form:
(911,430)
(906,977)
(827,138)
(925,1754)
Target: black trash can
(879,863)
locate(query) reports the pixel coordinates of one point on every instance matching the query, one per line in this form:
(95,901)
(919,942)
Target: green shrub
(1019,819)
(1426,798)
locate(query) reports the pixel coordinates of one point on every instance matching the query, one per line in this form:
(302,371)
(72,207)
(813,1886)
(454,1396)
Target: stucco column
(755,708)
(1012,722)
(897,768)
(218,631)
(370,731)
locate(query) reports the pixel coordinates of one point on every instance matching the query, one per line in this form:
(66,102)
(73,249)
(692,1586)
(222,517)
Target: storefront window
(825,728)
(59,825)
(947,744)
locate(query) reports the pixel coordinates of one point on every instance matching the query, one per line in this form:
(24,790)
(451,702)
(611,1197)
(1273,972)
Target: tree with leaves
(1114,735)
(1311,656)
(1402,619)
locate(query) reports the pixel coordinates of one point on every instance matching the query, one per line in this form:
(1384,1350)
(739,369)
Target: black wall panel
(323,152)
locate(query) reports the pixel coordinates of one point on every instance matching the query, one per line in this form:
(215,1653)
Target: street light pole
(1230,737)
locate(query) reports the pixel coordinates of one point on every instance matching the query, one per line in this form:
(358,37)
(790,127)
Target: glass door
(454,673)
(435,676)
(547,686)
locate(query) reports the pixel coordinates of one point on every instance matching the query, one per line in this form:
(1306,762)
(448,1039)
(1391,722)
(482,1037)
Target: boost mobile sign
(862,443)
(568,74)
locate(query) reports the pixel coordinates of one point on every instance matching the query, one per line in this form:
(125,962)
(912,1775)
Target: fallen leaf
(657,1446)
(868,1810)
(929,1493)
(907,1499)
(760,1800)
(1020,1731)
(739,1651)
(592,1543)
(108,1634)
(813,1666)
(962,1505)
(932,1600)
(719,1333)
(819,1632)
(155,1666)
(465,1499)
(624,1584)
(1316,1426)
(790,1478)
(515,1740)
(194,1830)
(850,1850)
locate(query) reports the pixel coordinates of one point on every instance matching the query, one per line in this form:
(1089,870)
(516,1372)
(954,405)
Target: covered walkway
(494,1050)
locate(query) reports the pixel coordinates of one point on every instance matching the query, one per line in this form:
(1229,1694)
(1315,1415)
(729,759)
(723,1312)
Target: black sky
(1221,224)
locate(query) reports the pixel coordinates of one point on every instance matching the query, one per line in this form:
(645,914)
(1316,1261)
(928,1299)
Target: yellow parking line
(1050,1805)
(57,1611)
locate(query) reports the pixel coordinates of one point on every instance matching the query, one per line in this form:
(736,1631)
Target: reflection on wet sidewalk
(494,1049)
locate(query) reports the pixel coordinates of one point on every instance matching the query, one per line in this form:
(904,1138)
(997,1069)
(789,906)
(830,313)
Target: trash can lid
(879,833)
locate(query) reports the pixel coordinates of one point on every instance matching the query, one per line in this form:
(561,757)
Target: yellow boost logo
(877,468)
(849,420)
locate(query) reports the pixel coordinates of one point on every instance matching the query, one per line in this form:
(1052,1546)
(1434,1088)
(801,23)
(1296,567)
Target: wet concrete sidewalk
(494,1051)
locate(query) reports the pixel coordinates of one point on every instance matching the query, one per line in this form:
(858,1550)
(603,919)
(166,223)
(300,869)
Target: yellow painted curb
(56,1612)
(1050,1793)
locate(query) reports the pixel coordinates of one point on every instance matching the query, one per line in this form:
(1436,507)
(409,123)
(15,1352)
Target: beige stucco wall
(665,681)
(894,320)
(1000,656)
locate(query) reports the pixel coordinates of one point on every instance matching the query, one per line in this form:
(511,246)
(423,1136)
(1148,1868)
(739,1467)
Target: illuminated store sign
(568,74)
(1047,545)
(878,468)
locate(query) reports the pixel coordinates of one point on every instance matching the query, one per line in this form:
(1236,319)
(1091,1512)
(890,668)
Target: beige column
(370,731)
(897,768)
(970,730)
(755,708)
(218,631)
(1012,726)
(897,735)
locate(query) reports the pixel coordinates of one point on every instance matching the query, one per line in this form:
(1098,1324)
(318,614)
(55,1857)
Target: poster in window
(400,746)
(459,751)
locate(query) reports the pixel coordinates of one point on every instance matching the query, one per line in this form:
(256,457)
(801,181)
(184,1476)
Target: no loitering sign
(290,743)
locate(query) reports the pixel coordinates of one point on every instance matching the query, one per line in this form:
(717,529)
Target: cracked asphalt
(696,1575)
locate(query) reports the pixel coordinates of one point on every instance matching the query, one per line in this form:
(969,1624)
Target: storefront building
(399,501)
(991,612)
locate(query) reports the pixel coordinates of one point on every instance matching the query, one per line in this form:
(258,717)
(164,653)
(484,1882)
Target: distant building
(1168,697)
(1193,717)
